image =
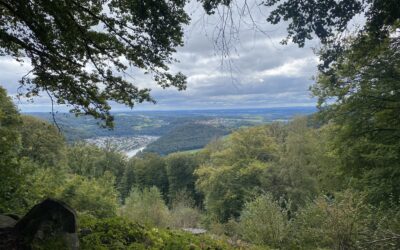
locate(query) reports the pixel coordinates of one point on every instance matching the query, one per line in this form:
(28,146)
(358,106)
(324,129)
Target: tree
(293,176)
(146,207)
(325,19)
(79,50)
(150,171)
(180,169)
(9,149)
(338,223)
(96,197)
(232,174)
(263,221)
(42,142)
(92,161)
(128,179)
(361,94)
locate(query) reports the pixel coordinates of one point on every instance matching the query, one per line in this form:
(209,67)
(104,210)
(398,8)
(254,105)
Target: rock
(195,230)
(7,221)
(49,223)
(7,234)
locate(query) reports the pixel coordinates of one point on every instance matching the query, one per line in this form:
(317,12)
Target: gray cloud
(260,72)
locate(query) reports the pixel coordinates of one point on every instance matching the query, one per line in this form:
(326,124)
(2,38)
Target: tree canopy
(360,93)
(322,18)
(80,51)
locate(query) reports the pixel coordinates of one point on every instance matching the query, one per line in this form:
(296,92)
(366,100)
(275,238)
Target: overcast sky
(260,72)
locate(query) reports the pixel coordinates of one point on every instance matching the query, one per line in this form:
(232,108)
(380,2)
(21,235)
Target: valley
(165,132)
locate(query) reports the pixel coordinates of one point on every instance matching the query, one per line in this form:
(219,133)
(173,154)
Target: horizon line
(170,110)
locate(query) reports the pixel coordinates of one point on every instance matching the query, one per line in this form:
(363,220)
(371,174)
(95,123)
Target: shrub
(117,233)
(332,223)
(147,207)
(183,212)
(96,197)
(263,222)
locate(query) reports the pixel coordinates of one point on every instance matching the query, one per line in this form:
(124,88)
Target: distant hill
(163,123)
(186,137)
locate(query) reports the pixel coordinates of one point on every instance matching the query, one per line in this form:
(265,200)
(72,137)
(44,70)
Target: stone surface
(6,221)
(195,230)
(49,222)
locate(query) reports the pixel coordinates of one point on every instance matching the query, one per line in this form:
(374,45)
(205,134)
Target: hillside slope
(186,137)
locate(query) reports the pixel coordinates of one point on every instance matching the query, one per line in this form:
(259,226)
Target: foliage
(180,169)
(232,173)
(335,223)
(362,90)
(9,149)
(282,160)
(117,233)
(146,207)
(93,162)
(323,18)
(327,20)
(263,222)
(150,171)
(38,184)
(249,144)
(226,188)
(70,57)
(293,175)
(96,197)
(42,142)
(186,137)
(183,213)
(128,180)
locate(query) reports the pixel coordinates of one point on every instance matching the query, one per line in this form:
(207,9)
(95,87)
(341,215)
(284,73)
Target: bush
(117,233)
(338,223)
(384,228)
(263,222)
(146,207)
(96,197)
(183,212)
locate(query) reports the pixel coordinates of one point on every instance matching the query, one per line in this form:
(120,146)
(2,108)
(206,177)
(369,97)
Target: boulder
(7,221)
(7,234)
(50,223)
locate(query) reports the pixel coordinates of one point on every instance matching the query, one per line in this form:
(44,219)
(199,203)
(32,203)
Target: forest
(329,180)
(280,185)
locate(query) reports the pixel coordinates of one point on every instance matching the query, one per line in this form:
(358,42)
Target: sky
(259,72)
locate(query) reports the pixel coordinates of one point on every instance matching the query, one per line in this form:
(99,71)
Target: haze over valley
(165,132)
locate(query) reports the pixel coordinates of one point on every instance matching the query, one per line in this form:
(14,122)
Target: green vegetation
(365,86)
(263,222)
(117,233)
(327,181)
(70,58)
(280,185)
(187,137)
(146,206)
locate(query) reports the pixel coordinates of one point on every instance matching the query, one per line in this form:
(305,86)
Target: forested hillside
(159,123)
(282,185)
(186,137)
(325,181)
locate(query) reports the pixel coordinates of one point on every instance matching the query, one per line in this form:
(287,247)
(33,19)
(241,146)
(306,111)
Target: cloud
(260,72)
(295,68)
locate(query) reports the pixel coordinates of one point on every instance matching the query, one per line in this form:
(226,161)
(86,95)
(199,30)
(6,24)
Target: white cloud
(292,68)
(260,72)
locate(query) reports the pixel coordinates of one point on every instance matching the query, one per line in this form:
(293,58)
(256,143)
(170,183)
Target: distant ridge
(186,137)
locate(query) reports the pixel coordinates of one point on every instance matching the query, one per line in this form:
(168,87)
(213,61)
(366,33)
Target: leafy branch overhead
(326,20)
(80,50)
